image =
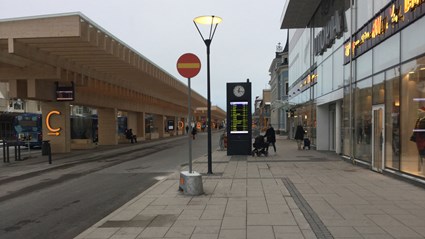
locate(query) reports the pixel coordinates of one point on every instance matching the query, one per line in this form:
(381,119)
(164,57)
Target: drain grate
(312,218)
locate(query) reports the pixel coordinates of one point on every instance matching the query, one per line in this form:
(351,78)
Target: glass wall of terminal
(83,122)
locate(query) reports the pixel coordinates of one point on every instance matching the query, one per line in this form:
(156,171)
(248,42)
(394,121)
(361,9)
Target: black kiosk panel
(239,118)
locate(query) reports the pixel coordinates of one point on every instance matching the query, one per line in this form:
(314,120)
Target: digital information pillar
(239,118)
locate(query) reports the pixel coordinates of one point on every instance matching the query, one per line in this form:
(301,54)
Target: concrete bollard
(191,183)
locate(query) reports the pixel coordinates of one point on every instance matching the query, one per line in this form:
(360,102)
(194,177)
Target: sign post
(188,66)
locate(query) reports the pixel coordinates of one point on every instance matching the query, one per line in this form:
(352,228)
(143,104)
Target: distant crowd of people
(270,137)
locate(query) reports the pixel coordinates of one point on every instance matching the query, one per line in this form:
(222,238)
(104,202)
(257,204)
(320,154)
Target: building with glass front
(357,79)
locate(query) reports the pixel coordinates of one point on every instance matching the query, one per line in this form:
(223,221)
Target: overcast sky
(162,30)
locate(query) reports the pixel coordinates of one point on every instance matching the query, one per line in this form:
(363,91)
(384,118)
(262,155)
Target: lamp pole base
(191,183)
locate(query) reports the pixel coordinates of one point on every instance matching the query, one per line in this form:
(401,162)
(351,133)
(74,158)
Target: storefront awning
(297,13)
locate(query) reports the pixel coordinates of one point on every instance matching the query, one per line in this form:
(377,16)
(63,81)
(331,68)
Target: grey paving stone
(118,224)
(400,231)
(163,220)
(376,236)
(263,232)
(234,223)
(189,222)
(287,232)
(309,234)
(207,230)
(149,211)
(216,201)
(419,230)
(369,230)
(129,231)
(123,237)
(204,236)
(191,214)
(232,234)
(151,232)
(271,220)
(340,232)
(100,233)
(171,201)
(180,231)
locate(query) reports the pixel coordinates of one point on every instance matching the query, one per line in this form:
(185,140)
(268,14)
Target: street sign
(188,65)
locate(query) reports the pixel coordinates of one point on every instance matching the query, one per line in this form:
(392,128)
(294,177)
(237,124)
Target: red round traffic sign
(188,65)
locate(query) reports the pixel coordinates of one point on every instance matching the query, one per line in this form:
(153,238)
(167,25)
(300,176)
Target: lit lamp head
(212,20)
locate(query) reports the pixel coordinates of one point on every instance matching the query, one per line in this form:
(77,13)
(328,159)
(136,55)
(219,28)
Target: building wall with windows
(363,92)
(279,90)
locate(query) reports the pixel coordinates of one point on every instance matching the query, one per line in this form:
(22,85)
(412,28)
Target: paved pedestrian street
(291,194)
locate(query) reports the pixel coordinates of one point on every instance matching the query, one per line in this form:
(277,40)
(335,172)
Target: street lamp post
(213,21)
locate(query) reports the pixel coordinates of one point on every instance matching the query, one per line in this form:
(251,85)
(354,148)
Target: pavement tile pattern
(289,194)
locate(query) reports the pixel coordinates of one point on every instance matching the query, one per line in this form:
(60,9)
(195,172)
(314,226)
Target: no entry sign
(188,65)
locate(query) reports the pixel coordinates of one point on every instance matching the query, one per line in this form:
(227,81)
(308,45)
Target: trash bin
(45,147)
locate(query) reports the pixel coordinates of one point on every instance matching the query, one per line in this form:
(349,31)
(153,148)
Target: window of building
(392,118)
(83,123)
(327,78)
(346,118)
(363,120)
(318,89)
(412,43)
(387,53)
(364,66)
(379,4)
(412,131)
(378,89)
(286,88)
(348,21)
(150,124)
(338,70)
(364,12)
(18,105)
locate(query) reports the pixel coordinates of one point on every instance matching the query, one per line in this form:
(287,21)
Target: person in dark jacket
(129,135)
(194,132)
(299,136)
(271,137)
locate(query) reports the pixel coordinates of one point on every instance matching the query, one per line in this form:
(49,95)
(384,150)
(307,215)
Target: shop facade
(357,77)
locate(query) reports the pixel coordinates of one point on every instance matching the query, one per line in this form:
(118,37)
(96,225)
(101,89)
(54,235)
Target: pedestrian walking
(194,132)
(271,137)
(221,142)
(299,135)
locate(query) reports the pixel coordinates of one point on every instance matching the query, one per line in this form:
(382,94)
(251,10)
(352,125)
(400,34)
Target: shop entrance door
(378,136)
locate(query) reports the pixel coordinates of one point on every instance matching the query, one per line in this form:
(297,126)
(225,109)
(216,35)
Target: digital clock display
(239,117)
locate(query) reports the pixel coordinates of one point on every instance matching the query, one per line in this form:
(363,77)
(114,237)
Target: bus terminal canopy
(35,53)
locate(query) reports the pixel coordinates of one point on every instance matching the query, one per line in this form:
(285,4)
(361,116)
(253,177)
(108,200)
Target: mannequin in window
(419,135)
